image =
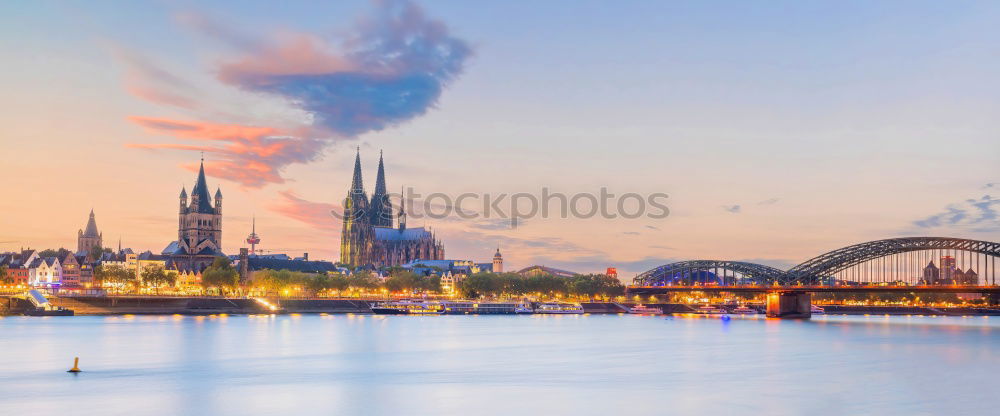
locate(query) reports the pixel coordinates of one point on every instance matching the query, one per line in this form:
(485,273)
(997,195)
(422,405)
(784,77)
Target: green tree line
(512,284)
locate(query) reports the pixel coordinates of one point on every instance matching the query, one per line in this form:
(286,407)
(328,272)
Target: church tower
(356,235)
(497,262)
(89,238)
(199,230)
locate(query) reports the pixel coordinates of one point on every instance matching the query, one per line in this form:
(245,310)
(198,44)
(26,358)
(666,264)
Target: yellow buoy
(76,365)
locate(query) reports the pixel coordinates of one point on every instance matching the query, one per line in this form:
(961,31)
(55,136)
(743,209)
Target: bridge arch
(709,271)
(816,269)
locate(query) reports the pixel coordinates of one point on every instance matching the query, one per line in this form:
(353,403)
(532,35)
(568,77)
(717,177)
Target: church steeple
(380,177)
(357,186)
(381,208)
(200,200)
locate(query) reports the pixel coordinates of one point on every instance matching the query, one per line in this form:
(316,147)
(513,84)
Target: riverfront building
(948,274)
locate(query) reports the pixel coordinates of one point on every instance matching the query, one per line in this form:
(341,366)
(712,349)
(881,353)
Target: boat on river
(641,309)
(484,308)
(744,310)
(407,308)
(558,308)
(709,310)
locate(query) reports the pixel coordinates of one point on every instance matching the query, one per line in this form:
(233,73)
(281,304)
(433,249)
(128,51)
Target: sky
(779,131)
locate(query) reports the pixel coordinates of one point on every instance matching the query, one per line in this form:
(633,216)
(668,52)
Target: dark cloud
(394,69)
(732,209)
(977,215)
(770,201)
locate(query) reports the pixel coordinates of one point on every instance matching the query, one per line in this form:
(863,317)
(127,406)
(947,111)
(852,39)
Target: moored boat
(641,309)
(481,308)
(555,308)
(709,310)
(407,308)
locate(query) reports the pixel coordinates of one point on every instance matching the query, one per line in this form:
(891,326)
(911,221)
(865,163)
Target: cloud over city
(974,215)
(391,68)
(314,214)
(249,155)
(732,209)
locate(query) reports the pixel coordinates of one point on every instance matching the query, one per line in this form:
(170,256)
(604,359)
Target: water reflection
(593,364)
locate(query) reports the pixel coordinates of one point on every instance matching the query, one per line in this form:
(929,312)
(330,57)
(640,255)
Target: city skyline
(774,141)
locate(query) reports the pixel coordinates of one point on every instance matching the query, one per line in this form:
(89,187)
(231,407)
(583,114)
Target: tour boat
(558,308)
(816,310)
(744,310)
(709,310)
(407,308)
(482,308)
(641,309)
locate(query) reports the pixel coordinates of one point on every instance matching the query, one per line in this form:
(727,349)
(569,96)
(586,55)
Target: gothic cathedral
(368,237)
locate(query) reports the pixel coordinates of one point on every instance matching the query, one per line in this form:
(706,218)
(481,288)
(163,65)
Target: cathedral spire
(380,178)
(356,185)
(381,207)
(200,200)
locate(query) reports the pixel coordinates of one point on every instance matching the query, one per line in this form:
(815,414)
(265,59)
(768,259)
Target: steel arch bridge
(735,272)
(813,272)
(816,269)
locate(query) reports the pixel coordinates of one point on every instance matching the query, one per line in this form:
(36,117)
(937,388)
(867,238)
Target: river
(498,365)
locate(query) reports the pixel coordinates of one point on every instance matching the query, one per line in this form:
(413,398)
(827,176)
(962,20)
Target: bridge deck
(652,290)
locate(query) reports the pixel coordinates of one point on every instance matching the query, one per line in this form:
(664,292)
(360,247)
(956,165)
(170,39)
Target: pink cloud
(316,214)
(295,54)
(392,68)
(149,82)
(249,155)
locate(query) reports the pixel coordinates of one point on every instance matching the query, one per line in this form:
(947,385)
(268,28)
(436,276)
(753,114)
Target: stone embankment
(151,305)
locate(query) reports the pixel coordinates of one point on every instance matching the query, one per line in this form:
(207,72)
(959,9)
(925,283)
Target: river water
(498,365)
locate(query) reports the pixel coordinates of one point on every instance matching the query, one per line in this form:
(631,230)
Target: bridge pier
(789,305)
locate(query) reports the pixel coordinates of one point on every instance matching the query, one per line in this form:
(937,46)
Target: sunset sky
(778,133)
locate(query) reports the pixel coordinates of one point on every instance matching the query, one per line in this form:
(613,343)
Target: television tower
(253,239)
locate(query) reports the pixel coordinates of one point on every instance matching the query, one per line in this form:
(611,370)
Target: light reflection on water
(497,365)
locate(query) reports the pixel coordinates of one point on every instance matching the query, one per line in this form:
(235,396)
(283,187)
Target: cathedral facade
(199,228)
(368,237)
